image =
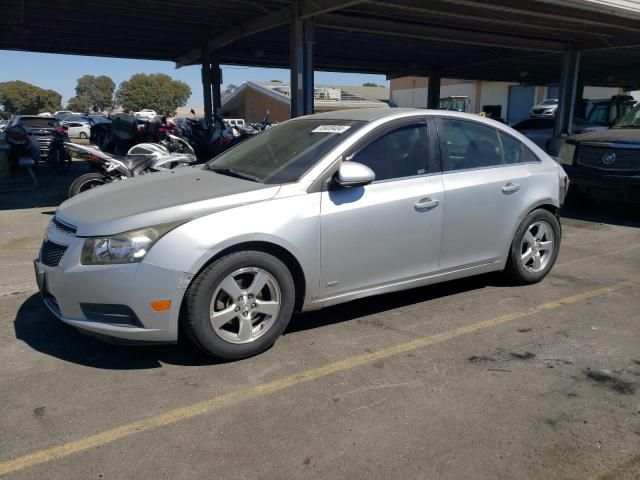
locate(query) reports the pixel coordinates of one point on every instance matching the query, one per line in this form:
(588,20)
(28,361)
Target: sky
(60,72)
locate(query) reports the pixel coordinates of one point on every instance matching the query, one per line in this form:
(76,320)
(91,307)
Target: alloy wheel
(537,247)
(245,305)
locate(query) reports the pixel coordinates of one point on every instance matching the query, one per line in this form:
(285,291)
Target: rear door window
(514,151)
(468,145)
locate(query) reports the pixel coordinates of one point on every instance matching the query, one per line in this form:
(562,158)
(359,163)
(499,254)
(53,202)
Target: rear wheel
(83,135)
(239,305)
(86,182)
(535,247)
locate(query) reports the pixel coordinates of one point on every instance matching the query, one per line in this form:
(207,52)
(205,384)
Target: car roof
(363,114)
(372,114)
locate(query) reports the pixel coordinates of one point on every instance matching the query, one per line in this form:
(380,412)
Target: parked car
(42,129)
(315,211)
(547,108)
(540,130)
(63,114)
(607,112)
(77,129)
(609,159)
(146,114)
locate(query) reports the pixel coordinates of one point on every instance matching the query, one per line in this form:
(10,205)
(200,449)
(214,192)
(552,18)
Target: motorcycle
(24,151)
(141,159)
(58,158)
(208,140)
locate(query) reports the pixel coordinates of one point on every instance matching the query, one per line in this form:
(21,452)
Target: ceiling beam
(307,8)
(439,34)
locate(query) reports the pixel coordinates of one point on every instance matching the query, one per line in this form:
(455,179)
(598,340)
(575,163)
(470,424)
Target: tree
(156,91)
(369,84)
(229,90)
(93,94)
(22,98)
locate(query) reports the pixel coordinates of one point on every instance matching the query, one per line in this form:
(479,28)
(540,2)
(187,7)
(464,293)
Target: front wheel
(83,135)
(535,248)
(239,305)
(86,182)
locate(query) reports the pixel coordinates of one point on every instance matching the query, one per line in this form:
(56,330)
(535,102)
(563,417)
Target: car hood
(153,199)
(612,135)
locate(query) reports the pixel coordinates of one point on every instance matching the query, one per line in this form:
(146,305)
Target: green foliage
(22,98)
(229,90)
(156,91)
(93,94)
(370,84)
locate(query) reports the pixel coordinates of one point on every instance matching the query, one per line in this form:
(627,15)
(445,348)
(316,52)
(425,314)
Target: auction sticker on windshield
(331,129)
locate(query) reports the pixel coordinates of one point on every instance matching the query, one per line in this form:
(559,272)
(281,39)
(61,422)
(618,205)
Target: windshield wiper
(235,173)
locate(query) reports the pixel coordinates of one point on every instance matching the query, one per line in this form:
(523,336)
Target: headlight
(567,151)
(127,247)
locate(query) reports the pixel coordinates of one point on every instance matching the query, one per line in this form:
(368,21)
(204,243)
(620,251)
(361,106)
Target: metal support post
(433,90)
(216,82)
(206,84)
(308,72)
(568,88)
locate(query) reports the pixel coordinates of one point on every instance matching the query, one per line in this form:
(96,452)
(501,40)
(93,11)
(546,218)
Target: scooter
(141,159)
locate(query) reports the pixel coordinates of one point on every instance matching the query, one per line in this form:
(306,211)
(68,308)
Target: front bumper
(601,179)
(69,287)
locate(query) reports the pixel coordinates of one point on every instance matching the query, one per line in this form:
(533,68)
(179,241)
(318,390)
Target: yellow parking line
(185,413)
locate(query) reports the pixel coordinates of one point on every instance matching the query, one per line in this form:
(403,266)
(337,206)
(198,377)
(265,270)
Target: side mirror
(353,174)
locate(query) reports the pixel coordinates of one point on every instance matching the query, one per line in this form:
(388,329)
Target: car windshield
(282,154)
(630,120)
(550,101)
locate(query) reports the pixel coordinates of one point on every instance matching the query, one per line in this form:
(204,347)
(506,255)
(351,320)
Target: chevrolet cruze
(316,211)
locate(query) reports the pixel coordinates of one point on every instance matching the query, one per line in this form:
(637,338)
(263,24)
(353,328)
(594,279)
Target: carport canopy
(526,41)
(508,40)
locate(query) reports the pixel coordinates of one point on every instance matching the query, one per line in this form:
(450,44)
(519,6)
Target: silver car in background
(316,211)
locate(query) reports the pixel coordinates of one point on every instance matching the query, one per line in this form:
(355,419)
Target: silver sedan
(316,211)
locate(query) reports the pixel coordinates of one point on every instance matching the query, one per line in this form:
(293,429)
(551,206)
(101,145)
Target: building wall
(412,92)
(255,105)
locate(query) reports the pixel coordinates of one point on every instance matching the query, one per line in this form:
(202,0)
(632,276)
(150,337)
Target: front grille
(51,253)
(538,111)
(608,158)
(64,228)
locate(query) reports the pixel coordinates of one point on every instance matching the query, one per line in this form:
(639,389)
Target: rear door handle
(509,188)
(426,204)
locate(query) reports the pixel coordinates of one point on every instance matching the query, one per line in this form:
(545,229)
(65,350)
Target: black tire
(525,274)
(198,300)
(87,182)
(83,135)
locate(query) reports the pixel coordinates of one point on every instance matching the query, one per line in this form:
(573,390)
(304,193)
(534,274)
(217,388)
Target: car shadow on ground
(602,208)
(39,329)
(52,189)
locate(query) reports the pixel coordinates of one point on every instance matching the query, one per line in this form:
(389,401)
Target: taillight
(17,137)
(564,188)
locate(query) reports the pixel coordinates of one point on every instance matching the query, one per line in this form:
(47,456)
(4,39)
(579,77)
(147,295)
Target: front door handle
(510,188)
(426,204)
